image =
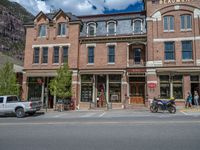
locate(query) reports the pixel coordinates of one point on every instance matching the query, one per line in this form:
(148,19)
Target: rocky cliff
(12,32)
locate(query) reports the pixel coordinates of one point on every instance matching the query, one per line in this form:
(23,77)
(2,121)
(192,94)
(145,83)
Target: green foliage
(8,80)
(60,86)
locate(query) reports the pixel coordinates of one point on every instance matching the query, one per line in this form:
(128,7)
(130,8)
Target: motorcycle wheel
(153,109)
(172,109)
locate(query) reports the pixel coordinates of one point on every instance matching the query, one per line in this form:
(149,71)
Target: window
(42,30)
(177,87)
(12,99)
(111,28)
(45,55)
(56,55)
(115,88)
(186,22)
(62,29)
(90,54)
(1,99)
(86,88)
(91,29)
(111,54)
(169,51)
(186,49)
(137,55)
(65,55)
(164,86)
(137,26)
(168,23)
(36,55)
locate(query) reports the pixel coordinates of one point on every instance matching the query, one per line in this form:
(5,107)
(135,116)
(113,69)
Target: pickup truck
(12,104)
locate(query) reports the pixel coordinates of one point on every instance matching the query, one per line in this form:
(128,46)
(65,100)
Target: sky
(82,7)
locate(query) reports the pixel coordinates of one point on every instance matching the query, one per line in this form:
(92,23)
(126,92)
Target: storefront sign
(174,1)
(151,84)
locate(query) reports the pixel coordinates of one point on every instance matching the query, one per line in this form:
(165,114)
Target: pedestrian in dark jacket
(188,102)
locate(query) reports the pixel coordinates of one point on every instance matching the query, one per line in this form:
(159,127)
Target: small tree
(8,80)
(60,86)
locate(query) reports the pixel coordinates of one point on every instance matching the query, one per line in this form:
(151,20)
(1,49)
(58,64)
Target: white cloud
(77,7)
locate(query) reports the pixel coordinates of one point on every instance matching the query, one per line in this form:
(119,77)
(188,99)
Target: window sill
(55,64)
(44,64)
(62,36)
(90,64)
(169,61)
(188,60)
(111,63)
(35,64)
(168,31)
(186,30)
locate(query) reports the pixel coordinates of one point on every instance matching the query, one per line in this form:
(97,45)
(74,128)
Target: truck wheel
(31,113)
(20,113)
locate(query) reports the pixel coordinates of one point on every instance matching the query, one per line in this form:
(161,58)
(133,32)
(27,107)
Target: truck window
(12,99)
(1,99)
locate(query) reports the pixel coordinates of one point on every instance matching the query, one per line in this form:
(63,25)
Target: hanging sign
(151,84)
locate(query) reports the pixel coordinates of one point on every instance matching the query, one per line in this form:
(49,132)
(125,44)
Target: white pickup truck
(12,104)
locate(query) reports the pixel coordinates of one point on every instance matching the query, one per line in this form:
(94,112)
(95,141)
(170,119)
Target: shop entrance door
(101,90)
(137,90)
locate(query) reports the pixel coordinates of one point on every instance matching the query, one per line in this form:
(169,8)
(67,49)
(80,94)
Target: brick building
(173,31)
(118,59)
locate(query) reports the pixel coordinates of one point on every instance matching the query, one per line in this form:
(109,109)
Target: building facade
(117,60)
(173,31)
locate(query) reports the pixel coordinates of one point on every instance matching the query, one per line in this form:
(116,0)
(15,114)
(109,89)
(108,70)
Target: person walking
(196,99)
(188,102)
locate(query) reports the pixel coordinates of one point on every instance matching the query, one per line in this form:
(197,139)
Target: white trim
(156,82)
(110,44)
(157,16)
(177,39)
(91,45)
(95,28)
(155,63)
(76,82)
(115,27)
(196,13)
(51,45)
(124,83)
(198,62)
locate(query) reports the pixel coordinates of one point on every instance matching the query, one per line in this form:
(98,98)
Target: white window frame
(95,28)
(66,30)
(168,30)
(115,27)
(141,24)
(39,27)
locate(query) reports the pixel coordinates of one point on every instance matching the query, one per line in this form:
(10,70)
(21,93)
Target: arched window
(111,28)
(137,26)
(91,29)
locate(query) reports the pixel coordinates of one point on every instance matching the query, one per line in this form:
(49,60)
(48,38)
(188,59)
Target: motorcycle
(163,105)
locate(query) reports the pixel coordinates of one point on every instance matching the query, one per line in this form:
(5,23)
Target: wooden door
(137,93)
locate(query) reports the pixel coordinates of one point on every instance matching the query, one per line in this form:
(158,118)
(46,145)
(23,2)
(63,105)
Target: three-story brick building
(120,59)
(173,31)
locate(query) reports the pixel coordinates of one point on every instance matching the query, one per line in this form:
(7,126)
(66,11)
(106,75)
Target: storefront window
(164,87)
(177,87)
(86,88)
(34,88)
(115,88)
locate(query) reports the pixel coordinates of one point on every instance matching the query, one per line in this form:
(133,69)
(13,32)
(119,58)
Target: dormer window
(111,28)
(42,30)
(62,29)
(91,29)
(137,26)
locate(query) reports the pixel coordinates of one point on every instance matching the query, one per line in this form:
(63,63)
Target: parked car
(12,104)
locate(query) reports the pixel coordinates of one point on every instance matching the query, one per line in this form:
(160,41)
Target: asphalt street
(101,130)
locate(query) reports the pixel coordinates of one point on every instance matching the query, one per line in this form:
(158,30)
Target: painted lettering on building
(174,1)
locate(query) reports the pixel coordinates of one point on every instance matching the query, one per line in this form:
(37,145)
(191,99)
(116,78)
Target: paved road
(101,130)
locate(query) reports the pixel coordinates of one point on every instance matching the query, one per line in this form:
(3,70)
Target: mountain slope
(12,33)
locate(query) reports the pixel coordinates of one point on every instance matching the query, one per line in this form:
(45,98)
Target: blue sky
(82,7)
